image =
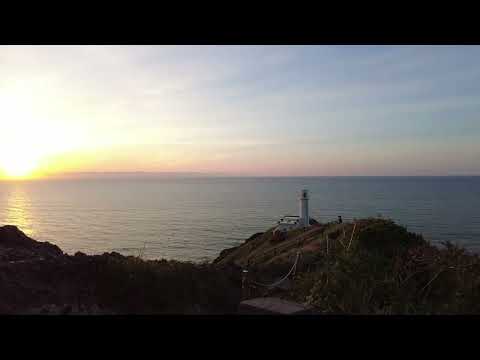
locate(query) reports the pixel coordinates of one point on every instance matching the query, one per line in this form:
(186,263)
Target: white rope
(351,238)
(278,282)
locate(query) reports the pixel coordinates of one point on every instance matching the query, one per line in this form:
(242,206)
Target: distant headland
(126,175)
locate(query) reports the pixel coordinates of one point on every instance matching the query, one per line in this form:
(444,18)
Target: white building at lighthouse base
(291,222)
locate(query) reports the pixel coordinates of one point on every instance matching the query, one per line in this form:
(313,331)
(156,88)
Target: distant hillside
(128,175)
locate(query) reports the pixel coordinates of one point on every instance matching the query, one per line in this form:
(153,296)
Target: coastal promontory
(366,266)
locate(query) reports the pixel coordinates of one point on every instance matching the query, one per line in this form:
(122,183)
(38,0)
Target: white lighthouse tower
(304,216)
(290,222)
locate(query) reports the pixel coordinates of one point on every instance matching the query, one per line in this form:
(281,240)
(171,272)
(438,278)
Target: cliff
(369,266)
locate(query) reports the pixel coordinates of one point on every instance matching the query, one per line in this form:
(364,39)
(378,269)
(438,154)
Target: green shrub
(392,271)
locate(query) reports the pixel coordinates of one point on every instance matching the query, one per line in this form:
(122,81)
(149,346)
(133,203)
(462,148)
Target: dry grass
(389,270)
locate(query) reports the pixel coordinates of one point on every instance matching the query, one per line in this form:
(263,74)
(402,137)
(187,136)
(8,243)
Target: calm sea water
(195,218)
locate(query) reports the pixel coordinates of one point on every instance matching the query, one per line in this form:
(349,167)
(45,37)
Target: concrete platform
(272,306)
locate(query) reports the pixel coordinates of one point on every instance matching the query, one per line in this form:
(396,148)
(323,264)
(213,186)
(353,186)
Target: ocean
(193,219)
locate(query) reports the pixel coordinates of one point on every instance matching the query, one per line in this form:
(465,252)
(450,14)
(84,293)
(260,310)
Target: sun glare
(19,166)
(29,138)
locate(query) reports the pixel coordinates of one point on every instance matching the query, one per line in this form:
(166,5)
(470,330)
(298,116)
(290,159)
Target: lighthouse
(302,220)
(304,216)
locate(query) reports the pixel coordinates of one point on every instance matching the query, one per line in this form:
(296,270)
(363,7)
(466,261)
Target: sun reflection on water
(18,210)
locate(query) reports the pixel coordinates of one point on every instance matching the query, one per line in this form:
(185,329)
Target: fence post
(244,284)
(326,235)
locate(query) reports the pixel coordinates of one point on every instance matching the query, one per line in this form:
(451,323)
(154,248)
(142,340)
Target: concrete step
(272,306)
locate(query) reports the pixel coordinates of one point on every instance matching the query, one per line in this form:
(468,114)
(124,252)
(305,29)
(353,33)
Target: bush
(131,285)
(392,271)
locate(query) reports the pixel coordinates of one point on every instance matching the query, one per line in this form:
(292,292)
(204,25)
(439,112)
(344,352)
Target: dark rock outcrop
(16,246)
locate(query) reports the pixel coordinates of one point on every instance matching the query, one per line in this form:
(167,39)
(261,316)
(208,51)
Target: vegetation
(389,270)
(132,285)
(371,266)
(38,277)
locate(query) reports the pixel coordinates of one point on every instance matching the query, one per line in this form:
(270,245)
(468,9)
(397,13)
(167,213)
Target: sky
(240,110)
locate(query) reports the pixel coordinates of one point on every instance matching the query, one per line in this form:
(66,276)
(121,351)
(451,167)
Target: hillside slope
(370,266)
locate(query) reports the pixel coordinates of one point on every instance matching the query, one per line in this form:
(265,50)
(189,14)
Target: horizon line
(192,174)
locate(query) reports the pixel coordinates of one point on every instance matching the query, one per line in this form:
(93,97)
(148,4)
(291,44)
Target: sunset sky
(240,110)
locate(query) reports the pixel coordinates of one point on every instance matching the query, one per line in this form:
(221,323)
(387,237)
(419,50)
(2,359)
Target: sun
(34,132)
(19,160)
(20,149)
(19,166)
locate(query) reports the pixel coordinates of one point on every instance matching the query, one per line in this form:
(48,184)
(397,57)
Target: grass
(389,270)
